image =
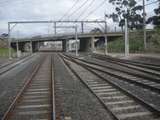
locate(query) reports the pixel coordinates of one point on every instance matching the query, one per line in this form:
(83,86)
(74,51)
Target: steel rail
(155,89)
(53,90)
(102,102)
(121,70)
(8,63)
(27,83)
(147,105)
(10,68)
(130,67)
(15,101)
(132,62)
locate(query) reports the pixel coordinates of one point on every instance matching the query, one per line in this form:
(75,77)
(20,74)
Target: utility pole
(144,25)
(82,27)
(38,45)
(115,29)
(9,38)
(76,36)
(126,39)
(55,28)
(17,45)
(106,40)
(9,41)
(31,47)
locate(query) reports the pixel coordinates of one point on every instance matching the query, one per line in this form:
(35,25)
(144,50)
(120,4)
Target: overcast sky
(19,10)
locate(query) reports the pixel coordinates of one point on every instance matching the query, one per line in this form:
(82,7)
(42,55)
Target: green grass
(4,52)
(136,43)
(116,46)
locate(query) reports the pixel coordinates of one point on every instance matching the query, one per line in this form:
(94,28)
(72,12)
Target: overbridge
(86,39)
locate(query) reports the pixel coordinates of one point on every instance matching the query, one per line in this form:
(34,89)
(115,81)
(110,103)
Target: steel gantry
(56,22)
(14,23)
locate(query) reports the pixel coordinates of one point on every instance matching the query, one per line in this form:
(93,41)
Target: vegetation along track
(7,67)
(122,104)
(138,66)
(36,99)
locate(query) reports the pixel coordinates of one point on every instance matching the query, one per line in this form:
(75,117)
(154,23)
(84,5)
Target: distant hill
(3,43)
(3,40)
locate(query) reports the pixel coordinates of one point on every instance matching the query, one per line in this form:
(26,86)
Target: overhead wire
(91,12)
(76,2)
(76,10)
(82,13)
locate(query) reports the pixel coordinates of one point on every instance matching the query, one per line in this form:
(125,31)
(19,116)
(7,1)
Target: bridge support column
(82,27)
(18,51)
(64,45)
(31,47)
(106,45)
(92,44)
(67,45)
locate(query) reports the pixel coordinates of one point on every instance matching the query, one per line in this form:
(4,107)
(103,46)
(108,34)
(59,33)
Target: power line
(82,13)
(152,3)
(82,5)
(76,2)
(91,12)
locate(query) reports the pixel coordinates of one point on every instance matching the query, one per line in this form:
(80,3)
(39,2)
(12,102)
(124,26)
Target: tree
(155,20)
(130,10)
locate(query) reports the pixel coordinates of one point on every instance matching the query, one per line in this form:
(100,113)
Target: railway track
(122,104)
(133,62)
(7,67)
(141,80)
(132,85)
(35,101)
(139,66)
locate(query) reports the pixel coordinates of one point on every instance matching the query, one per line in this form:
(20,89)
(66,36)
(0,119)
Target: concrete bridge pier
(64,45)
(93,44)
(67,45)
(106,45)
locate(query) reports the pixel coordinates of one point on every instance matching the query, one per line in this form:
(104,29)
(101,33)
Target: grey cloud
(17,10)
